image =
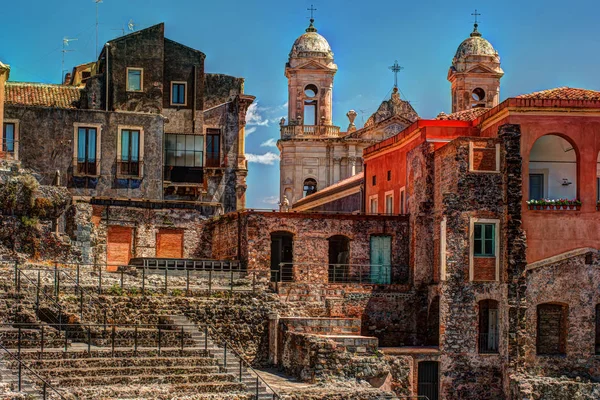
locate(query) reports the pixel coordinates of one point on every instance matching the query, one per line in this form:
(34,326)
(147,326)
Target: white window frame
(141,79)
(443,224)
(472,223)
(387,195)
(374,197)
(98,128)
(122,128)
(185,93)
(17,132)
(402,200)
(496,171)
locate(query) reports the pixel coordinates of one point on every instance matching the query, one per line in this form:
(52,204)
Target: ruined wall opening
(553,169)
(282,256)
(433,323)
(488,326)
(339,258)
(551,329)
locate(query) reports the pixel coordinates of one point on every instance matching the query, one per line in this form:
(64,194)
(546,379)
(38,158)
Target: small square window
(178,93)
(135,79)
(374,180)
(389,175)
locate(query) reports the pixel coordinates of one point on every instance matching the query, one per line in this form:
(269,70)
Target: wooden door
(381,255)
(169,243)
(429,380)
(118,248)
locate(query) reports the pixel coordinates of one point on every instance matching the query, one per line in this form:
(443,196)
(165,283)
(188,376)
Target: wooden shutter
(169,243)
(118,249)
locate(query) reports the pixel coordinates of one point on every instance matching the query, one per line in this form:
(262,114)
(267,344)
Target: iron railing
(368,274)
(488,343)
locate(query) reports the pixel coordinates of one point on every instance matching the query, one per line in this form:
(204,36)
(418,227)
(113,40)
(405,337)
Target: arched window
(552,328)
(478,98)
(488,326)
(339,258)
(552,169)
(310,187)
(310,105)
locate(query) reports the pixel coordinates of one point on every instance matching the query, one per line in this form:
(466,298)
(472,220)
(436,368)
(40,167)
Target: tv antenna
(97,3)
(362,115)
(65,44)
(131,26)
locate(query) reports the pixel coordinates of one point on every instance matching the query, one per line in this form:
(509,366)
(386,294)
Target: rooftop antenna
(131,26)
(120,29)
(395,69)
(362,115)
(64,50)
(97,3)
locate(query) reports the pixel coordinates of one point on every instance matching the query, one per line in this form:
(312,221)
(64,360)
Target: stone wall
(524,387)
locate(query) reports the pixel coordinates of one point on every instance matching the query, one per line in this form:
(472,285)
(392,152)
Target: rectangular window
(488,326)
(178,90)
(213,148)
(86,151)
(536,186)
(402,201)
(130,152)
(484,243)
(135,77)
(184,158)
(8,138)
(389,175)
(389,203)
(374,180)
(373,205)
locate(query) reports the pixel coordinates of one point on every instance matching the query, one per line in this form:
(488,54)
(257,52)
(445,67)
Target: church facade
(315,153)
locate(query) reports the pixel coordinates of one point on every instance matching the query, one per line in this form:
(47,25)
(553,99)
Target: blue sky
(542,44)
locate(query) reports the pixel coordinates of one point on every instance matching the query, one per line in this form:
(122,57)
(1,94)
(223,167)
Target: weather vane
(395,69)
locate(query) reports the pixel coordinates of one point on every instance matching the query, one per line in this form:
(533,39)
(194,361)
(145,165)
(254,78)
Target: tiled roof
(465,115)
(42,95)
(563,93)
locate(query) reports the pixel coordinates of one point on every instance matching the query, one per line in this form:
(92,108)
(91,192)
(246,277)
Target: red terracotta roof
(42,95)
(563,93)
(465,115)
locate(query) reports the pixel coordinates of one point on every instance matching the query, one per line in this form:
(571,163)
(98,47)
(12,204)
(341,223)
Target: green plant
(177,292)
(133,291)
(115,290)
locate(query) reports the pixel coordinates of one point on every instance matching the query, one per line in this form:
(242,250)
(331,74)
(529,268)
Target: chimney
(4,72)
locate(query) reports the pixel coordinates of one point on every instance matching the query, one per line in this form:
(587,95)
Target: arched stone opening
(309,187)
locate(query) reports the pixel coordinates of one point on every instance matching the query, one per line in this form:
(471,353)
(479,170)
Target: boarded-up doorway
(429,380)
(169,243)
(118,248)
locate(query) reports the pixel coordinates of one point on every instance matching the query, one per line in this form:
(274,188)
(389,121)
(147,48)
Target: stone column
(352,164)
(273,337)
(337,161)
(4,72)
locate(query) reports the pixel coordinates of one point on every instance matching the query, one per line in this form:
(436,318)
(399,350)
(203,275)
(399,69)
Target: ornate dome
(311,44)
(475,46)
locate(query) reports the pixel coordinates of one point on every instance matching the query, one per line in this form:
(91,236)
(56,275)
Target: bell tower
(475,73)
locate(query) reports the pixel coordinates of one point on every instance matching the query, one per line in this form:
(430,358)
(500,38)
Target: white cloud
(268,158)
(269,143)
(254,116)
(250,130)
(271,200)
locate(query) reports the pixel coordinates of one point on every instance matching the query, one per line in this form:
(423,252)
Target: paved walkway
(281,382)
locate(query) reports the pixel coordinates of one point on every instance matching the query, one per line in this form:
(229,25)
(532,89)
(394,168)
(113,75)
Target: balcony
(309,131)
(127,169)
(84,167)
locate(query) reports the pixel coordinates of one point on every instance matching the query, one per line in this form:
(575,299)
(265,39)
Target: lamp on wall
(566,182)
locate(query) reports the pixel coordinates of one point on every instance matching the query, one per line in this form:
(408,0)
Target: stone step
(158,370)
(141,379)
(138,362)
(118,353)
(235,390)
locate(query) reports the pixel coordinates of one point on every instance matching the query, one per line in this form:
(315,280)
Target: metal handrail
(247,364)
(356,277)
(37,286)
(46,384)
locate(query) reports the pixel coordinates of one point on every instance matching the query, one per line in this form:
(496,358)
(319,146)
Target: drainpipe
(106,78)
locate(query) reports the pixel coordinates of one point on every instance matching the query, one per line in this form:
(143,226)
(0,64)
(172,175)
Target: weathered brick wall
(571,286)
(525,387)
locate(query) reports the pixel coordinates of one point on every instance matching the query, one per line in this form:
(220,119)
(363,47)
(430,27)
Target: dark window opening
(433,323)
(478,94)
(86,151)
(428,385)
(310,187)
(178,93)
(339,256)
(536,186)
(389,175)
(597,346)
(402,211)
(551,329)
(311,90)
(374,180)
(484,243)
(488,326)
(213,148)
(129,164)
(282,256)
(184,158)
(8,138)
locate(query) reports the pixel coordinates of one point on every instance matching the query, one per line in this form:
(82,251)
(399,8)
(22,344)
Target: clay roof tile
(42,95)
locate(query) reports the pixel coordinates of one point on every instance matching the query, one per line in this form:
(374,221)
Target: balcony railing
(82,167)
(289,131)
(130,169)
(488,343)
(363,274)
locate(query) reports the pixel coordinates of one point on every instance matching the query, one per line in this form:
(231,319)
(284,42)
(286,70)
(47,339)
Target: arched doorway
(552,169)
(282,256)
(339,256)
